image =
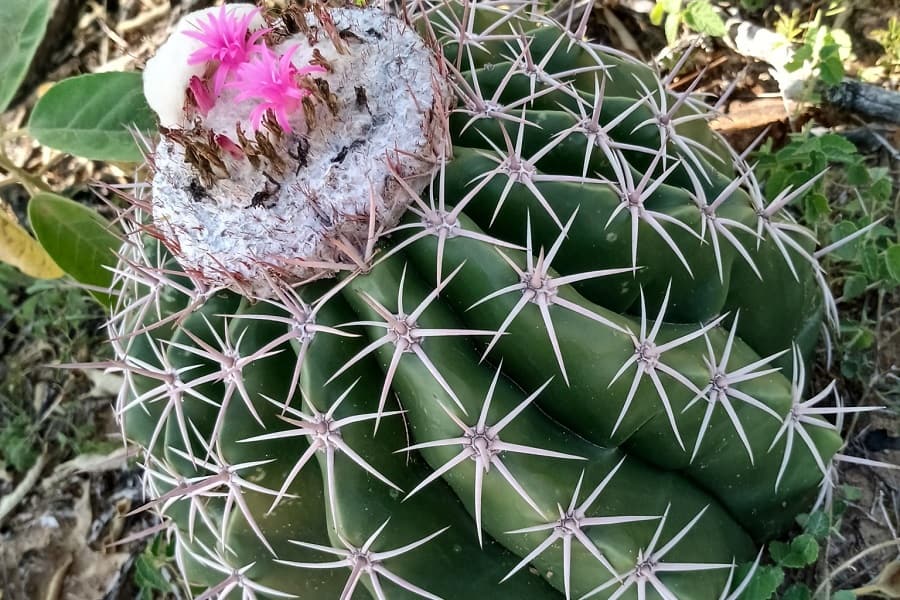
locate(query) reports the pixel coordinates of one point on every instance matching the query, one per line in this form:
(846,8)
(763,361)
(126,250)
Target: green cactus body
(561,374)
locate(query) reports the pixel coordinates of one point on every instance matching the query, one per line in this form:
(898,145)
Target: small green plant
(776,578)
(19,444)
(42,321)
(853,196)
(155,572)
(863,197)
(889,39)
(696,15)
(819,47)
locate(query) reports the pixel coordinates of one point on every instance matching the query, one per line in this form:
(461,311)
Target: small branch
(864,98)
(851,561)
(869,138)
(148,16)
(9,503)
(34,184)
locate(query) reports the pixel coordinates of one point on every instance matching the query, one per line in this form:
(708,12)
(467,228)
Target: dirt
(56,546)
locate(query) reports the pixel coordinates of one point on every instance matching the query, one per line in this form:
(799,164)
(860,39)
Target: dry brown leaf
(6,209)
(87,463)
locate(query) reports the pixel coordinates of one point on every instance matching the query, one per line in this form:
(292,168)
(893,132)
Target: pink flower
(273,79)
(227,40)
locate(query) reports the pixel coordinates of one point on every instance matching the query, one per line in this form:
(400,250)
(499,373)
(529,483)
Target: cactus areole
(456,303)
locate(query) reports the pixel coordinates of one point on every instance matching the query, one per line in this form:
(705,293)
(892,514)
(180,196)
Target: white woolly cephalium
(237,205)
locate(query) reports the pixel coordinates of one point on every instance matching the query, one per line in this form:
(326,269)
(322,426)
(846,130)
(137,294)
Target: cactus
(458,303)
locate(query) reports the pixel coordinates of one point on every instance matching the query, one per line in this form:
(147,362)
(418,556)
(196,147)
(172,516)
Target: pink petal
(282,118)
(252,46)
(226,144)
(257,115)
(310,69)
(219,80)
(201,95)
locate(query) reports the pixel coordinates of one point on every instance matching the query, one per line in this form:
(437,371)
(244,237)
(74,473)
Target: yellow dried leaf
(23,252)
(7,210)
(886,586)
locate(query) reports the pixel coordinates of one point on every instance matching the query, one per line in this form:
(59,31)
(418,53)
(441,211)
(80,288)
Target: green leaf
(854,286)
(838,149)
(841,230)
(78,238)
(671,6)
(702,17)
(798,591)
(148,576)
(892,261)
(89,116)
(778,550)
(858,175)
(150,568)
(851,493)
(880,231)
(859,337)
(801,55)
(818,162)
(871,262)
(881,189)
(817,524)
(763,584)
(816,206)
(22,26)
(831,63)
(843,595)
(673,21)
(831,71)
(844,43)
(657,14)
(803,550)
(776,183)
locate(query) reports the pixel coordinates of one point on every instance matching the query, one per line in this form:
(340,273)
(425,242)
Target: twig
(853,559)
(864,98)
(33,184)
(8,503)
(685,80)
(143,18)
(867,137)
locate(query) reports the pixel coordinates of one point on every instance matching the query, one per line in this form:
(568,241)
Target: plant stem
(32,183)
(849,562)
